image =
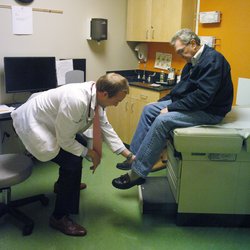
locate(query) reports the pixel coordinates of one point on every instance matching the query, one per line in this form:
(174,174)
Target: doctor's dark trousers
(70,172)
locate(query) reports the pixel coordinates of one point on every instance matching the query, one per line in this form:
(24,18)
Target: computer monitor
(29,74)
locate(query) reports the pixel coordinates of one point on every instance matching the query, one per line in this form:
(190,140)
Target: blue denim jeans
(153,130)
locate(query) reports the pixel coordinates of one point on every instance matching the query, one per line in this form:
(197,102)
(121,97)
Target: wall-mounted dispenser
(142,52)
(98,29)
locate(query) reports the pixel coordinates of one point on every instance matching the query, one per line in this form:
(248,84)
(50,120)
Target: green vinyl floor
(111,216)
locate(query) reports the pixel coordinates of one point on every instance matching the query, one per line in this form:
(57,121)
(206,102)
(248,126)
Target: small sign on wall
(163,60)
(22,21)
(208,40)
(210,17)
(62,67)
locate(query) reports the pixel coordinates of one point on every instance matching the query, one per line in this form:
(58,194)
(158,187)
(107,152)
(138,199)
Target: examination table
(208,174)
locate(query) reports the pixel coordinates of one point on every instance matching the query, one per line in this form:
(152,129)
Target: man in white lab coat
(48,124)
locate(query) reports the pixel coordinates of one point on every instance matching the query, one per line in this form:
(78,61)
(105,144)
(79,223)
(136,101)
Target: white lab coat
(50,120)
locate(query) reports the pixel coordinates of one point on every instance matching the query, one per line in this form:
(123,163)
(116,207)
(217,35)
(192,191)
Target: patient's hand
(151,103)
(164,111)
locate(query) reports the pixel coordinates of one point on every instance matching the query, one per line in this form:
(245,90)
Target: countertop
(149,86)
(132,77)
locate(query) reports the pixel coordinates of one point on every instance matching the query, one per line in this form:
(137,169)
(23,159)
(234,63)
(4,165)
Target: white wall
(64,36)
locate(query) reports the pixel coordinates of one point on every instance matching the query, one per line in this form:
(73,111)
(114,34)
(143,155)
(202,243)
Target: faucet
(138,75)
(144,70)
(149,77)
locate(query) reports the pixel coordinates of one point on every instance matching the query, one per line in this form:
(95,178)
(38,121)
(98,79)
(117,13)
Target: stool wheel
(27,230)
(44,200)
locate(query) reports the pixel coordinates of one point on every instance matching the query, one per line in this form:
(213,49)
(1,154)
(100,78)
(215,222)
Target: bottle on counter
(171,76)
(162,76)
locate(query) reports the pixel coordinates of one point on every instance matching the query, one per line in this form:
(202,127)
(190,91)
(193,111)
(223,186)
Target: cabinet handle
(126,106)
(132,108)
(153,34)
(147,34)
(144,97)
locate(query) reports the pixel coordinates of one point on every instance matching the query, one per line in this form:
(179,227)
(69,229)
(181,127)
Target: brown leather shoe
(82,186)
(67,226)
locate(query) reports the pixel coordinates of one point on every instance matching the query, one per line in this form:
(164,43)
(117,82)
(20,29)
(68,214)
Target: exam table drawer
(173,170)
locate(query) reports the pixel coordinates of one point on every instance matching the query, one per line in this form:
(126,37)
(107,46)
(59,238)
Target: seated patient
(204,95)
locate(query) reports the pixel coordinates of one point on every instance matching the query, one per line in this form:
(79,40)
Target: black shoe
(124,182)
(126,165)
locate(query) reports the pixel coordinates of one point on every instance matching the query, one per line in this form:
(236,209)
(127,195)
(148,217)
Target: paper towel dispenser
(99,29)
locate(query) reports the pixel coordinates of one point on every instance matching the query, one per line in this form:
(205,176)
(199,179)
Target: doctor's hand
(95,159)
(164,111)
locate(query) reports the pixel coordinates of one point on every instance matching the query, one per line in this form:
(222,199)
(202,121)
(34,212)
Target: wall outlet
(208,40)
(163,60)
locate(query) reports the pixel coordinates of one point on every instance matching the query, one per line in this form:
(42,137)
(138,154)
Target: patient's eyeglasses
(182,50)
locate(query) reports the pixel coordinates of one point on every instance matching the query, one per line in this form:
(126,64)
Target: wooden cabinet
(158,20)
(124,118)
(138,20)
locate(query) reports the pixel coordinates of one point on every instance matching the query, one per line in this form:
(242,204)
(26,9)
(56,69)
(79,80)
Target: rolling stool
(14,169)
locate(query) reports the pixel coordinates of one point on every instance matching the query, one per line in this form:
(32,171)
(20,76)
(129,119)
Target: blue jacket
(206,86)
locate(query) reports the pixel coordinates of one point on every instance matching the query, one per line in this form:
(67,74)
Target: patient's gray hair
(185,35)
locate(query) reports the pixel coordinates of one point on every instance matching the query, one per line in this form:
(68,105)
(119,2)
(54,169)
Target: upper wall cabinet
(158,20)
